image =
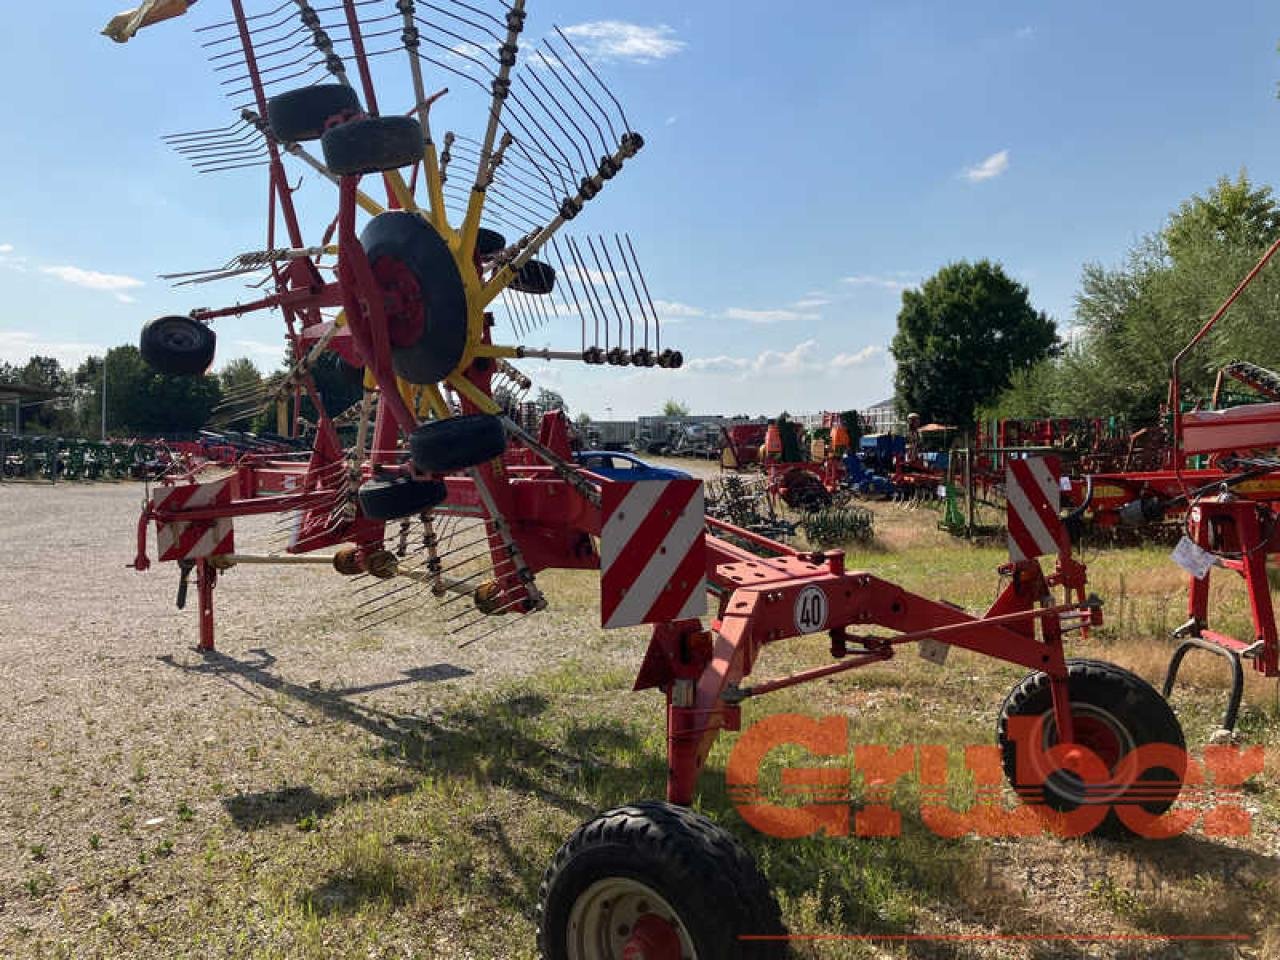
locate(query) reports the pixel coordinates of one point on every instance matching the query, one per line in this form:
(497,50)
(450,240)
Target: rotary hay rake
(445,497)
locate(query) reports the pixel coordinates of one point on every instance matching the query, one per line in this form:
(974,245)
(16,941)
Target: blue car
(624,466)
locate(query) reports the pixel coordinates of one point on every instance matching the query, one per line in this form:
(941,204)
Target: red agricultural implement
(443,490)
(1230,510)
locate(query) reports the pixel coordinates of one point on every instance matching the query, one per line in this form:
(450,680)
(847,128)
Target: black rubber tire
(300,115)
(534,277)
(705,875)
(372,145)
(352,375)
(408,238)
(489,242)
(443,446)
(1101,690)
(399,497)
(178,346)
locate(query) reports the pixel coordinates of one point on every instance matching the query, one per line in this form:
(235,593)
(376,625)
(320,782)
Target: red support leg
(1255,577)
(206,577)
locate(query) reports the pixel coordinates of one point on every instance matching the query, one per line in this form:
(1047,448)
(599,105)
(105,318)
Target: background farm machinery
(449,501)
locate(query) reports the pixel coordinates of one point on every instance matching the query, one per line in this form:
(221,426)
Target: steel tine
(595,76)
(551,115)
(634,290)
(508,301)
(546,42)
(622,295)
(564,273)
(607,287)
(585,276)
(657,324)
(537,141)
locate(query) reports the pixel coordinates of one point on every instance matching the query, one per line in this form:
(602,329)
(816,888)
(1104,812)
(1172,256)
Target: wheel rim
(1098,730)
(619,918)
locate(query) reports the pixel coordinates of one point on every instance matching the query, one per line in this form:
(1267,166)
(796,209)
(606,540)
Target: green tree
(675,408)
(241,379)
(1132,319)
(53,415)
(960,339)
(141,401)
(1233,214)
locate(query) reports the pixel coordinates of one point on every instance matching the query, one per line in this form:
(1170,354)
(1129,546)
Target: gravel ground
(111,719)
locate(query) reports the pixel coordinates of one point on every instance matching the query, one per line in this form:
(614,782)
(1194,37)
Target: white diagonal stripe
(1027,514)
(1043,476)
(645,590)
(627,518)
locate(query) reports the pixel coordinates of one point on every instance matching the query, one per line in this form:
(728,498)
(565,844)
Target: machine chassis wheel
(1113,712)
(456,443)
(399,497)
(177,346)
(655,880)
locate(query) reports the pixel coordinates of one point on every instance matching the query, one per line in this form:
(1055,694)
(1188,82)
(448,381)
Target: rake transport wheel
(535,277)
(489,242)
(372,145)
(178,346)
(399,497)
(657,881)
(1114,712)
(442,446)
(302,115)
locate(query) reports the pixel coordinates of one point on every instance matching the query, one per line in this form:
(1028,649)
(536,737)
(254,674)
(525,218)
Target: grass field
(316,791)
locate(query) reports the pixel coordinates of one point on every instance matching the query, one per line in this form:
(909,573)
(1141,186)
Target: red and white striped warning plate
(191,539)
(653,559)
(1031,488)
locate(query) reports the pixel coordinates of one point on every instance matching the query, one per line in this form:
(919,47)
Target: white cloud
(18,346)
(720,364)
(112,283)
(766,316)
(842,361)
(868,280)
(669,310)
(618,40)
(6,248)
(804,358)
(795,360)
(811,303)
(993,166)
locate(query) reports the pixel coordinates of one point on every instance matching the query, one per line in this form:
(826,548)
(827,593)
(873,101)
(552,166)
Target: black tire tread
(455,443)
(372,145)
(1032,696)
(399,497)
(718,878)
(160,356)
(297,116)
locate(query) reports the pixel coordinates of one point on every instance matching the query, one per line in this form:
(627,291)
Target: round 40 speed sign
(811,610)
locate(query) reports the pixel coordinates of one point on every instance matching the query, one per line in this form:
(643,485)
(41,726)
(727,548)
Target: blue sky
(803,164)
